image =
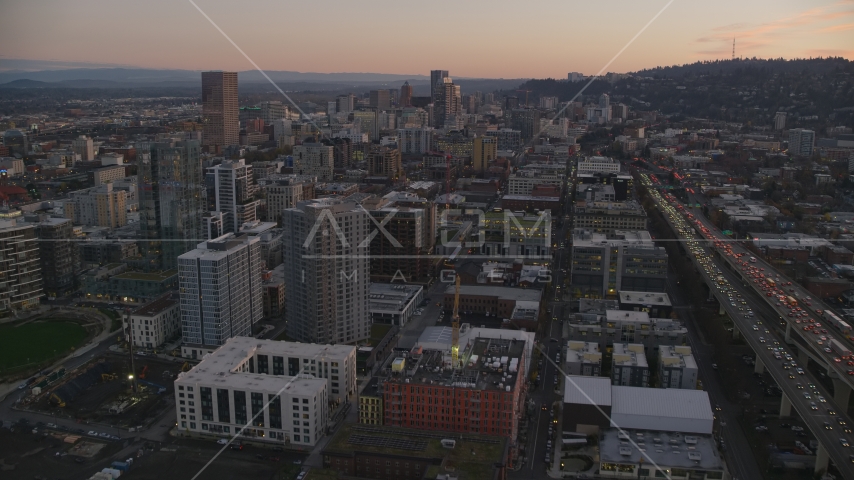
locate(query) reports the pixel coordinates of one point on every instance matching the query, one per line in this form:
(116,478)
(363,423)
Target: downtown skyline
(538,44)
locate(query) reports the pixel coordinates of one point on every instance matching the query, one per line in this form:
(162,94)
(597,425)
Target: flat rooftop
(473,456)
(503,293)
(626,316)
(149,277)
(154,307)
(392,296)
(629,354)
(645,298)
(668,450)
(676,356)
(487,364)
(222,366)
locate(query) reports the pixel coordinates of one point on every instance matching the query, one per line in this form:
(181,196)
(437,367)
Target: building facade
(220,114)
(603,266)
(314,159)
(172,201)
(327,270)
(153,324)
(677,367)
(21,285)
(231,190)
(100,206)
(221,294)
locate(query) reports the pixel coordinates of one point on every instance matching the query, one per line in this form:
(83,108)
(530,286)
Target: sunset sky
(496,39)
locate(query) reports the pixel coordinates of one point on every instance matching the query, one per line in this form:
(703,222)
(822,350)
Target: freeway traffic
(826,422)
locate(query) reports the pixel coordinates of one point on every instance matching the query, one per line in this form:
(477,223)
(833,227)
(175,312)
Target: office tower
(484,150)
(272,111)
(327,270)
(100,206)
(21,282)
(527,121)
(231,190)
(172,201)
(627,260)
(331,109)
(415,140)
(437,78)
(221,295)
(380,99)
(85,147)
(220,116)
(345,103)
(384,161)
(342,151)
(447,104)
(405,95)
(780,121)
(411,221)
(801,142)
(315,159)
(511,102)
(368,123)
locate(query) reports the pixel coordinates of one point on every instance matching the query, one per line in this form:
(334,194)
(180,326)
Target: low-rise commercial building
(656,304)
(677,456)
(596,164)
(491,300)
(392,303)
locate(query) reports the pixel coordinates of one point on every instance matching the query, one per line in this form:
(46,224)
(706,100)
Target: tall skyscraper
(484,150)
(172,201)
(436,79)
(221,294)
(325,252)
(231,189)
(405,95)
(447,104)
(220,115)
(380,99)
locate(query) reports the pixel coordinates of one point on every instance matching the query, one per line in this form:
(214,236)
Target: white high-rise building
(232,188)
(315,159)
(325,249)
(221,294)
(272,111)
(415,140)
(780,121)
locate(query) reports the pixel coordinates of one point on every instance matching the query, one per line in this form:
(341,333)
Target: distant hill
(724,67)
(25,83)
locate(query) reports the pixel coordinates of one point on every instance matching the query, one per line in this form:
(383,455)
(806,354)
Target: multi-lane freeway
(801,392)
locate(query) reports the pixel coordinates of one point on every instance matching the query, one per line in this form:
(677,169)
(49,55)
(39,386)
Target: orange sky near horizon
(498,39)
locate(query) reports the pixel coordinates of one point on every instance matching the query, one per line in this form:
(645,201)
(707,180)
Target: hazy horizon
(474,40)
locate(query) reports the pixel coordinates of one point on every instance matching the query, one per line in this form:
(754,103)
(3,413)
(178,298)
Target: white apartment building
(100,206)
(226,392)
(284,191)
(314,159)
(583,358)
(327,270)
(677,367)
(221,294)
(415,140)
(233,189)
(801,142)
(154,323)
(597,164)
(523,182)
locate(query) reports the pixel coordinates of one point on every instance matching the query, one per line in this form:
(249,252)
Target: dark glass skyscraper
(172,201)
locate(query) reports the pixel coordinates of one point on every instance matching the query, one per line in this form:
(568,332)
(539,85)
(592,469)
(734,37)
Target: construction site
(106,391)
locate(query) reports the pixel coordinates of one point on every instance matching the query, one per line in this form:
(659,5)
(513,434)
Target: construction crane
(455,327)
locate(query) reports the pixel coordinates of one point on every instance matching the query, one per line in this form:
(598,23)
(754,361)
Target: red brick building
(486,396)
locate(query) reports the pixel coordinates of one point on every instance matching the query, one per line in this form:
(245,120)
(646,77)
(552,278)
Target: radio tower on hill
(733,48)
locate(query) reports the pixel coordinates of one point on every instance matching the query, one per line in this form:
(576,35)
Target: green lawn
(37,341)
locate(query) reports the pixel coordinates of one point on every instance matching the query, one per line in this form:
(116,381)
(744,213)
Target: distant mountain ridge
(773,65)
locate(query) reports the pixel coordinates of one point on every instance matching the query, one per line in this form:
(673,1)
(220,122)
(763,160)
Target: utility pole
(129,332)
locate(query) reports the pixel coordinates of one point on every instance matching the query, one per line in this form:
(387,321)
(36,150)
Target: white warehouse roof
(670,409)
(581,390)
